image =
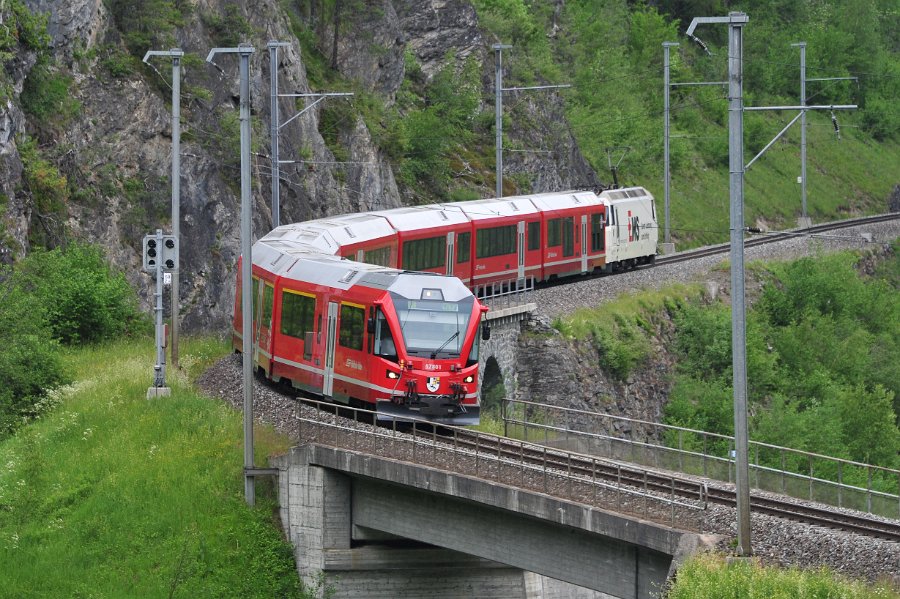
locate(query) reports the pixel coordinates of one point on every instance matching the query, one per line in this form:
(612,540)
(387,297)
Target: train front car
(427,335)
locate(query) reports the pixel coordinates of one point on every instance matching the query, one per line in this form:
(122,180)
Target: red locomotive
(404,342)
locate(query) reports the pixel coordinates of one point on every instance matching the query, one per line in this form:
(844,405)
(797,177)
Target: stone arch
(498,357)
(493,390)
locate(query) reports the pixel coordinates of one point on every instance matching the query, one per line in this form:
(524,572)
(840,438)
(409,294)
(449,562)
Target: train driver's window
(384,341)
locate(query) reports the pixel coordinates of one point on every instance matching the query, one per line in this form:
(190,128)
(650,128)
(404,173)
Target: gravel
(774,540)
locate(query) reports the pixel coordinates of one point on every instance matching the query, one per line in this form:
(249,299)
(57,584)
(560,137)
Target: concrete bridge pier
(359,562)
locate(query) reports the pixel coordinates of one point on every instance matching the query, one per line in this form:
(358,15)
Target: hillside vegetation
(823,360)
(611,51)
(112,495)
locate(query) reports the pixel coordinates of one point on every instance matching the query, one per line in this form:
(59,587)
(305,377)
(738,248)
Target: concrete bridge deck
(379,526)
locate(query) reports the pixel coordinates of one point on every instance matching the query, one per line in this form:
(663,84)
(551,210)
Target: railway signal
(160,251)
(160,257)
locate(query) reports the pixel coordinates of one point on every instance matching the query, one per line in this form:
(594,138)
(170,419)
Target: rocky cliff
(113,144)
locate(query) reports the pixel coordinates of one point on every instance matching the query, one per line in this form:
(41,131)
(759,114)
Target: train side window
(554,232)
(597,238)
(254,298)
(379,256)
(297,314)
(463,247)
(422,254)
(534,235)
(352,326)
(268,299)
(495,241)
(568,235)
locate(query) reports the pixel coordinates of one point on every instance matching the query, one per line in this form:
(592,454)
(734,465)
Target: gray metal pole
(802,46)
(738,311)
(246,272)
(667,177)
(176,193)
(275,126)
(175,54)
(246,262)
(160,374)
(273,84)
(498,114)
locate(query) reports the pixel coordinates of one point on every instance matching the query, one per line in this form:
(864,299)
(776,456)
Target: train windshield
(433,328)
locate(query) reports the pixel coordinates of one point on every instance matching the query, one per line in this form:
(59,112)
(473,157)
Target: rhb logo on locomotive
(433,383)
(634,227)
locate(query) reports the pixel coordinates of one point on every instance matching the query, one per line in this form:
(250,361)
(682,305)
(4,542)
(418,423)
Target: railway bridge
(382,513)
(510,307)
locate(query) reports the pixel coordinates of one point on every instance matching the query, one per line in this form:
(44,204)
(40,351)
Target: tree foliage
(822,355)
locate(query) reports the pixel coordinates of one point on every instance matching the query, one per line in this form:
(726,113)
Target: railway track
(766,238)
(585,467)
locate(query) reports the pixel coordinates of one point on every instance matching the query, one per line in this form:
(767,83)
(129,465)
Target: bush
(29,362)
(81,298)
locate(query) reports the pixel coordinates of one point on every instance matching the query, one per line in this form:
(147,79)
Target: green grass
(622,329)
(711,577)
(112,495)
(844,178)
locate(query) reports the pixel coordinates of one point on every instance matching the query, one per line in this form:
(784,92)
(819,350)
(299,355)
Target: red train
(540,236)
(404,342)
(334,316)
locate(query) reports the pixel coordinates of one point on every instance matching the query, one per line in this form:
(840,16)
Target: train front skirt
(440,409)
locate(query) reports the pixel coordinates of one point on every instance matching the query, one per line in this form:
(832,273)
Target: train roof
(355,228)
(493,208)
(563,200)
(291,260)
(414,218)
(310,234)
(614,195)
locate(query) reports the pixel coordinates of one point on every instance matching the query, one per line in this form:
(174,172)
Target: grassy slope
(112,495)
(711,577)
(845,178)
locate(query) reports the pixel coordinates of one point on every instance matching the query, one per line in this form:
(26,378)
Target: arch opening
(493,391)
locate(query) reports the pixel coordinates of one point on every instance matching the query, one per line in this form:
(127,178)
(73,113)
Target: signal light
(469,379)
(156,255)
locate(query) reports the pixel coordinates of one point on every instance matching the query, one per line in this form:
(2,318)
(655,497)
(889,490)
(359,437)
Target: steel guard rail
(423,445)
(885,504)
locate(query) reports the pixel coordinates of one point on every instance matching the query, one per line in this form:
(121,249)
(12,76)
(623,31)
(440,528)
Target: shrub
(29,362)
(81,297)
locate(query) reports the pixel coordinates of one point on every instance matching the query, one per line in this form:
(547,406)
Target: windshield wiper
(444,344)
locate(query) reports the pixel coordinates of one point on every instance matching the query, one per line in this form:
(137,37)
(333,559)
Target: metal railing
(505,294)
(849,484)
(523,465)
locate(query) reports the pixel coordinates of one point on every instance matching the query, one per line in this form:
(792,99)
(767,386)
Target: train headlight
(392,375)
(469,379)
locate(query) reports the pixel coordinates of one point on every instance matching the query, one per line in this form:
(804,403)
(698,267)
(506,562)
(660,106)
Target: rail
(691,451)
(450,449)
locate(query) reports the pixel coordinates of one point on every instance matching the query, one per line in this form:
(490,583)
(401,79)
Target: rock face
(561,372)
(116,151)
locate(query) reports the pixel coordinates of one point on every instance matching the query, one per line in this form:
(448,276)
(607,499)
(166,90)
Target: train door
(262,327)
(330,336)
(450,255)
(520,245)
(584,245)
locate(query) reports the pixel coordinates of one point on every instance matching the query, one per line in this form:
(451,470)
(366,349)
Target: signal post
(160,258)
